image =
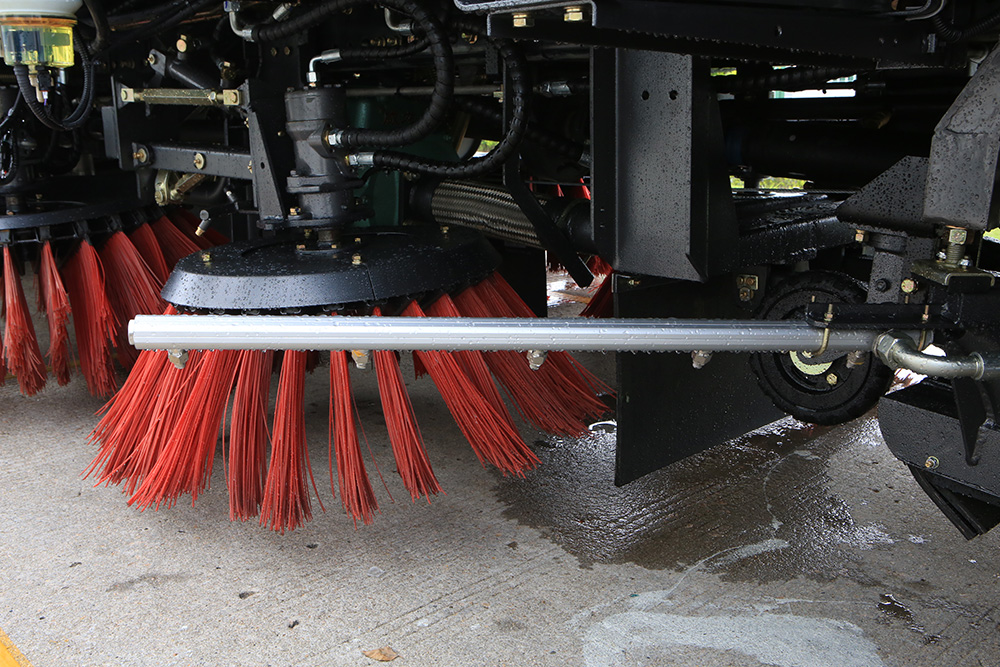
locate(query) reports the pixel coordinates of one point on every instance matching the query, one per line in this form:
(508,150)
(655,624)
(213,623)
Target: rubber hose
(444,67)
(950,33)
(520,94)
(792,78)
(100,24)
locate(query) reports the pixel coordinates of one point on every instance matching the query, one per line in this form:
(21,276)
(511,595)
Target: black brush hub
(367,267)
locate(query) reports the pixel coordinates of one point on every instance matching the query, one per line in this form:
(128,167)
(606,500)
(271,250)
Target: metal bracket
(182,96)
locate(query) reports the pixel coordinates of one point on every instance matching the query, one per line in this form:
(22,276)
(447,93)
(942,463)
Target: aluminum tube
(266,332)
(898,350)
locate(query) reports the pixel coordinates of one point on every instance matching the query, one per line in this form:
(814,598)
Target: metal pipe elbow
(897,350)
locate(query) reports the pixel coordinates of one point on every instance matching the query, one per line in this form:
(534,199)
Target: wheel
(828,389)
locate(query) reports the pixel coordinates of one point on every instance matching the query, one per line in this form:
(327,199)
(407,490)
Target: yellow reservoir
(37,40)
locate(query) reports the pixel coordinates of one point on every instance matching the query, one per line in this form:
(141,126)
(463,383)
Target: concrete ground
(793,546)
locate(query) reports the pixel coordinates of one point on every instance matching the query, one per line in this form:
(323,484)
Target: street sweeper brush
(113,268)
(158,435)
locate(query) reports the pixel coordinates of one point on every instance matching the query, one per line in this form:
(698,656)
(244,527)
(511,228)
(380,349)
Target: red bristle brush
(356,492)
(23,356)
(145,242)
(248,435)
(93,318)
(491,435)
(133,290)
(174,244)
(503,300)
(404,435)
(55,301)
(472,361)
(286,503)
(540,396)
(598,266)
(185,463)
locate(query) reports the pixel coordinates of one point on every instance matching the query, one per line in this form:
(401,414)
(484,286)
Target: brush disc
(365,267)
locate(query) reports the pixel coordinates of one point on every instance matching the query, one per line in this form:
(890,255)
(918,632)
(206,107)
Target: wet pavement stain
(765,492)
(894,610)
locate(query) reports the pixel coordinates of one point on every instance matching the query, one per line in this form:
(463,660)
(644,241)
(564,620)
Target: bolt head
(957,235)
(151,59)
(909,286)
(182,44)
(860,236)
(573,14)
(356,260)
(746,294)
(199,161)
(295,211)
(523,20)
(932,462)
(832,379)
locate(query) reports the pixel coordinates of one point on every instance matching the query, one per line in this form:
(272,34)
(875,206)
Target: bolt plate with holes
(282,274)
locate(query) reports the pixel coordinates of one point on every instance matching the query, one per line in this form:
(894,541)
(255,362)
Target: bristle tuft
(23,356)
(57,310)
(248,435)
(356,492)
(93,319)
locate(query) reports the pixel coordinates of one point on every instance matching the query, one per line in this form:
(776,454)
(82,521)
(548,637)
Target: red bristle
(145,242)
(93,318)
(167,395)
(135,290)
(126,418)
(185,463)
(509,300)
(56,306)
(173,243)
(472,361)
(356,492)
(540,396)
(602,304)
(598,266)
(492,437)
(286,502)
(188,222)
(24,358)
(3,352)
(248,435)
(407,444)
(188,227)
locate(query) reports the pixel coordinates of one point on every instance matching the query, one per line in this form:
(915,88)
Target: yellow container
(37,40)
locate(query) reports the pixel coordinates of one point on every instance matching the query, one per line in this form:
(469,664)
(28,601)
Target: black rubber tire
(808,397)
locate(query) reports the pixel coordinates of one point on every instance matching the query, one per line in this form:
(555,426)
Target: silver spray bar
(272,332)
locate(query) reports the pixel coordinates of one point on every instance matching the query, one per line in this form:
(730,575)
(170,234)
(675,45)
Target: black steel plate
(273,274)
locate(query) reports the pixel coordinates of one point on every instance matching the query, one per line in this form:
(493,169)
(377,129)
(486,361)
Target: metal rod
(266,332)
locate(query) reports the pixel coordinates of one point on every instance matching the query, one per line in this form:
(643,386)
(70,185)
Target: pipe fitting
(897,350)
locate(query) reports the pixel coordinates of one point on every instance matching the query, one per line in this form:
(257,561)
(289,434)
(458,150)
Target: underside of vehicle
(365,153)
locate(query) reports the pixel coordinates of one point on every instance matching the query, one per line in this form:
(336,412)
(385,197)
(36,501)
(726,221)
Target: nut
(151,58)
(295,211)
(199,161)
(573,14)
(909,286)
(832,379)
(356,259)
(141,155)
(523,20)
(746,294)
(932,462)
(860,235)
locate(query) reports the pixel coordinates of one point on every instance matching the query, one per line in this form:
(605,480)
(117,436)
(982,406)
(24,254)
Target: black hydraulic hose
(444,68)
(549,140)
(385,52)
(10,173)
(520,95)
(950,33)
(100,18)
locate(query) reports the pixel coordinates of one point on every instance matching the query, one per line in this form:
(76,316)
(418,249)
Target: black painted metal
(668,410)
(274,274)
(218,160)
(787,229)
(662,203)
(730,30)
(962,168)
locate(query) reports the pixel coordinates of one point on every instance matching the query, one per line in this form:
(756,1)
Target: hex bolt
(199,161)
(536,358)
(700,358)
(523,20)
(573,14)
(746,294)
(860,236)
(932,462)
(362,359)
(151,59)
(295,211)
(206,257)
(909,286)
(356,259)
(141,155)
(832,379)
